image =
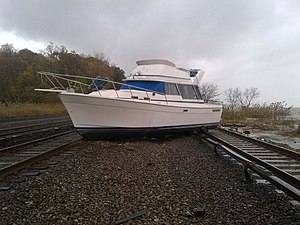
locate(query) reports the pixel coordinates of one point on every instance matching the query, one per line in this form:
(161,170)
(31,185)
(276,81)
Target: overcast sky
(239,43)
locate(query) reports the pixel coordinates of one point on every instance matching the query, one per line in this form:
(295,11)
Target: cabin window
(155,86)
(196,89)
(171,89)
(187,91)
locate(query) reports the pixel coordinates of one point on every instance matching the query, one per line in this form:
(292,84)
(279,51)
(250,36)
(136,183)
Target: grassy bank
(259,118)
(19,110)
(264,118)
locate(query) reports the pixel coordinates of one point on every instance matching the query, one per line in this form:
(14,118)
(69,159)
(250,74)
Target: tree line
(243,103)
(18,70)
(235,98)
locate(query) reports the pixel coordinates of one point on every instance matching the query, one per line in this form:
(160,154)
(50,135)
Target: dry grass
(257,116)
(19,110)
(261,118)
(293,132)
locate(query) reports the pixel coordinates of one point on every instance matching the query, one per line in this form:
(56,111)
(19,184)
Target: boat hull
(121,132)
(112,118)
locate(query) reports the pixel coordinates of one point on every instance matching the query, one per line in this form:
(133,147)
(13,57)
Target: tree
(209,91)
(248,97)
(7,49)
(238,99)
(18,70)
(8,68)
(233,96)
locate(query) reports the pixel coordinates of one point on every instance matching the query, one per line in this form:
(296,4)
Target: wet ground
(274,137)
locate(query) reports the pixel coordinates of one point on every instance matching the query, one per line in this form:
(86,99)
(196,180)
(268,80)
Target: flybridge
(164,70)
(155,61)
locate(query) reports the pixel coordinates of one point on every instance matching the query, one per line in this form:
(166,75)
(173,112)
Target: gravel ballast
(160,181)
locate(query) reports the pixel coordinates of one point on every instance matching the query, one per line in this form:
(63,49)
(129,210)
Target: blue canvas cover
(155,86)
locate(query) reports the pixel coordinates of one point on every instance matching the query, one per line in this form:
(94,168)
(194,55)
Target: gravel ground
(103,182)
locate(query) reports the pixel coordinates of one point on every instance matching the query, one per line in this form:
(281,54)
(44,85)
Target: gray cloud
(239,43)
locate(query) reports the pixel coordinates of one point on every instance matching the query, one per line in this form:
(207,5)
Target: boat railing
(75,83)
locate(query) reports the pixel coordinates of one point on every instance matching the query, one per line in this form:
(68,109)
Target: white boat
(156,98)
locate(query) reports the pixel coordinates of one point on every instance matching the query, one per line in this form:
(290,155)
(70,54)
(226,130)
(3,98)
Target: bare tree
(238,99)
(209,91)
(248,97)
(233,96)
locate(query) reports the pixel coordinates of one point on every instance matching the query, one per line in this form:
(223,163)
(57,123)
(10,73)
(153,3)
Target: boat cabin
(163,77)
(184,90)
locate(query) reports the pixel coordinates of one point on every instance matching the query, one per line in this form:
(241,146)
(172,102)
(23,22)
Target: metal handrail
(70,79)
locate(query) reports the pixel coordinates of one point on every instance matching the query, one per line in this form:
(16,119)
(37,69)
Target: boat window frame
(197,91)
(170,93)
(186,94)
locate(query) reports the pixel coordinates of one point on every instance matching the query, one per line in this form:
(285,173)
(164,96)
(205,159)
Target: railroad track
(14,135)
(17,122)
(26,128)
(23,155)
(279,166)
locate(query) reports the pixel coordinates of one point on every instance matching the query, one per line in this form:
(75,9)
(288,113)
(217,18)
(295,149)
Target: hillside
(18,70)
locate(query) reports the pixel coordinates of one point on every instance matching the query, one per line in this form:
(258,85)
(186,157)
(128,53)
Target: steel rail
(21,129)
(25,144)
(14,139)
(280,178)
(282,150)
(36,157)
